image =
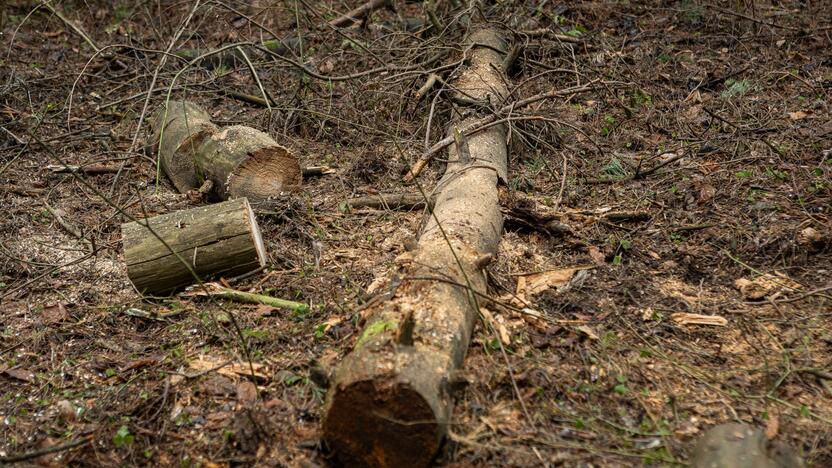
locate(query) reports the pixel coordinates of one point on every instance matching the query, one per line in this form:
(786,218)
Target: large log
(240,161)
(390,399)
(219,240)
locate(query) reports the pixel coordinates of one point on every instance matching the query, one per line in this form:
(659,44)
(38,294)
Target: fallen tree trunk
(390,401)
(220,240)
(240,161)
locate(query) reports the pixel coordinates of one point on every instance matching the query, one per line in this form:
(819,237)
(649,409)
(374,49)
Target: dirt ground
(693,177)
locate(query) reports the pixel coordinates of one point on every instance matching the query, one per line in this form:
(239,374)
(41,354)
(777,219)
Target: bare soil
(708,123)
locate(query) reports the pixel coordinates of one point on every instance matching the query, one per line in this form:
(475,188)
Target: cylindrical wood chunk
(164,252)
(240,161)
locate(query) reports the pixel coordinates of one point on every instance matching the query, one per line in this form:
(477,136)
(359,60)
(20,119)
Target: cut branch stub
(240,161)
(390,401)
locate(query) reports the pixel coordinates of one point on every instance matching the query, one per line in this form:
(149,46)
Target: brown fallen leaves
(767,286)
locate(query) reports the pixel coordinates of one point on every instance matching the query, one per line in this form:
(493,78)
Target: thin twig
(72,25)
(45,451)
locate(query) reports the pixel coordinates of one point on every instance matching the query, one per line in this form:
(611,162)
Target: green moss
(376,328)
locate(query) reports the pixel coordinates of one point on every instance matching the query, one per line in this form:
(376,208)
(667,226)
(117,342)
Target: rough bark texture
(390,401)
(741,446)
(240,161)
(220,240)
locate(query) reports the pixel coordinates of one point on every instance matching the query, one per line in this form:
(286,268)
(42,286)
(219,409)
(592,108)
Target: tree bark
(220,240)
(390,402)
(240,161)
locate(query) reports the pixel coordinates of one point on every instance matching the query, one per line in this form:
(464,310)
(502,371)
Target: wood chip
(233,370)
(683,318)
(587,331)
(536,283)
(497,325)
(772,426)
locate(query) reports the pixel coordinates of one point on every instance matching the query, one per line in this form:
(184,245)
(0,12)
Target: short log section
(239,161)
(164,252)
(390,401)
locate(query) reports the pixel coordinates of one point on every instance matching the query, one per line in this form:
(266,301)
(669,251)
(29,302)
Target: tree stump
(240,161)
(164,252)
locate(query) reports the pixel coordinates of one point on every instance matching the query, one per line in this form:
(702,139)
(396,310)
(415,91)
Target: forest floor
(693,177)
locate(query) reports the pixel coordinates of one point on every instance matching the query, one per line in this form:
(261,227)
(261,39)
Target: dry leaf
(246,393)
(766,286)
(54,314)
(597,256)
(683,318)
(799,115)
(536,283)
(587,331)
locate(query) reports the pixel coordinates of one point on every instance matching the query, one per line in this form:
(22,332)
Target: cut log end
(240,161)
(377,424)
(266,172)
(256,237)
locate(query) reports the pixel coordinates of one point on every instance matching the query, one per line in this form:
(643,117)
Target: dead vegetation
(676,155)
